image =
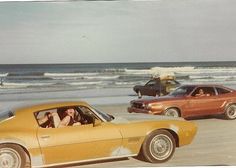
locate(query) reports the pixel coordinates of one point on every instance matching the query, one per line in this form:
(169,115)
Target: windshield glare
(182,91)
(105,116)
(5,115)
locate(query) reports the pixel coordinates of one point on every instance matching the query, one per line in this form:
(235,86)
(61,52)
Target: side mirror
(111,116)
(96,122)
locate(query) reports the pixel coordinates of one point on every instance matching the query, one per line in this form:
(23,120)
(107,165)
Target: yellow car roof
(46,105)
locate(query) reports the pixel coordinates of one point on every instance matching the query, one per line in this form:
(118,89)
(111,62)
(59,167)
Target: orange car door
(198,106)
(203,104)
(206,105)
(82,142)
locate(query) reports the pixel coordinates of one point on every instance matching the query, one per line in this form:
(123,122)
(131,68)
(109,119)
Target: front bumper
(139,110)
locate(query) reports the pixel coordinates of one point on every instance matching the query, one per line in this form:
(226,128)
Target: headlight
(154,106)
(148,106)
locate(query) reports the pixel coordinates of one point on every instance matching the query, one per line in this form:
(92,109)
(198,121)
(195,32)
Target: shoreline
(94,97)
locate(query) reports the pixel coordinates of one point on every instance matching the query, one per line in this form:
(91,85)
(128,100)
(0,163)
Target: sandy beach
(214,143)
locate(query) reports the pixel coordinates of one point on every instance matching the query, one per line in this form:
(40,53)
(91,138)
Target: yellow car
(59,133)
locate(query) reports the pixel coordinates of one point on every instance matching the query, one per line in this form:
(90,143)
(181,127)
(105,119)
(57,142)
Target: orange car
(190,100)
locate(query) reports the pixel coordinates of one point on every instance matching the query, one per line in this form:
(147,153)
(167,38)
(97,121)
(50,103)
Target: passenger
(46,121)
(70,119)
(201,93)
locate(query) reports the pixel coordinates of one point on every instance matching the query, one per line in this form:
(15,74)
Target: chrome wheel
(9,158)
(231,112)
(172,112)
(161,147)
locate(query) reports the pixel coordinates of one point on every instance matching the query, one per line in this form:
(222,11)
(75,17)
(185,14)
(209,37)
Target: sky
(117,31)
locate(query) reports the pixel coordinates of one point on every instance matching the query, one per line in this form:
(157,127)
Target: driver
(201,93)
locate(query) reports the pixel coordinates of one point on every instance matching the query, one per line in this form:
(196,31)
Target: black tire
(12,156)
(230,112)
(172,112)
(159,146)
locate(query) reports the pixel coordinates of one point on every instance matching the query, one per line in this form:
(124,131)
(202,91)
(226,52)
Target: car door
(149,88)
(81,142)
(202,105)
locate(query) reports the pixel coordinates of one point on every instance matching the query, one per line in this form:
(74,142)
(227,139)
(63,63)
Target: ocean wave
(172,69)
(213,71)
(86,83)
(200,77)
(3,74)
(213,80)
(25,74)
(160,71)
(219,77)
(27,78)
(127,83)
(191,70)
(225,83)
(102,77)
(70,74)
(66,77)
(232,78)
(114,70)
(137,71)
(95,77)
(17,85)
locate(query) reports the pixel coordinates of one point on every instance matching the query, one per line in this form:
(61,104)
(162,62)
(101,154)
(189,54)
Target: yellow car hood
(139,117)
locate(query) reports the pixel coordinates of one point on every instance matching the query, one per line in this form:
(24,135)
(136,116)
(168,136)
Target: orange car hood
(158,99)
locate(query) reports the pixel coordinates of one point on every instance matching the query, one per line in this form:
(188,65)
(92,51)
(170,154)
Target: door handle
(45,137)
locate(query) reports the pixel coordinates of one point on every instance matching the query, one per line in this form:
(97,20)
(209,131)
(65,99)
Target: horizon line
(117,62)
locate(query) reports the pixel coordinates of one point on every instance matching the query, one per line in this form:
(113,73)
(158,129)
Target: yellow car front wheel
(159,146)
(12,156)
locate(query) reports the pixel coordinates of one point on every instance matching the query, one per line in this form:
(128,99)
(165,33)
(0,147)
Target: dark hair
(49,122)
(47,114)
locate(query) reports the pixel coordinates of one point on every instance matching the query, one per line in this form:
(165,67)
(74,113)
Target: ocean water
(59,77)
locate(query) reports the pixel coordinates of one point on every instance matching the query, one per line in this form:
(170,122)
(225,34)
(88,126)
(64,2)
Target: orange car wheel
(159,146)
(12,156)
(172,112)
(230,112)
